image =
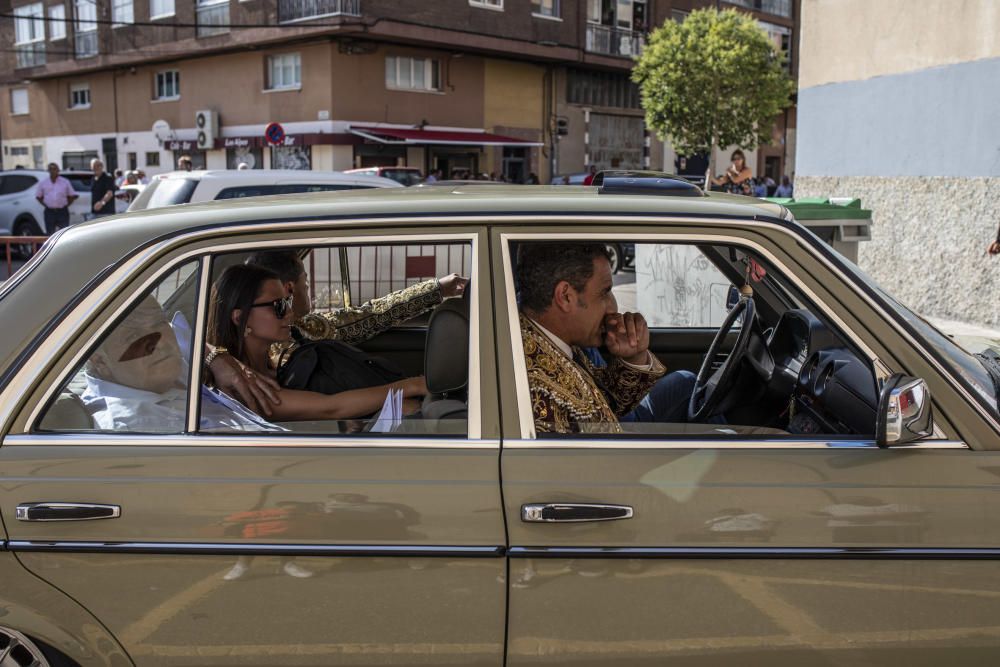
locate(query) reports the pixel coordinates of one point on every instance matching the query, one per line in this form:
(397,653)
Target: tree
(714,79)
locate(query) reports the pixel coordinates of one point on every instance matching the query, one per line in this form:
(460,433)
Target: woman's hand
(452,285)
(257,392)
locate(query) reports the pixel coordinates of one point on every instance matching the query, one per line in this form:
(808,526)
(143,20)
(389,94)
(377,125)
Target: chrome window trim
(26,377)
(276,440)
(526,420)
(744,444)
(228,548)
(198,347)
(775,553)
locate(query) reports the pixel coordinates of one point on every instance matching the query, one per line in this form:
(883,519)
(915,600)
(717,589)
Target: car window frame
(148,273)
(528,437)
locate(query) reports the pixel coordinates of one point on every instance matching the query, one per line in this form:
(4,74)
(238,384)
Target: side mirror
(904,411)
(732,298)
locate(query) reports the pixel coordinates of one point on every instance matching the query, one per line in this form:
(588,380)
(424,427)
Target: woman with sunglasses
(249,312)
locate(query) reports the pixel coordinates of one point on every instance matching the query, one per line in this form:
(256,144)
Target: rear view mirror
(904,411)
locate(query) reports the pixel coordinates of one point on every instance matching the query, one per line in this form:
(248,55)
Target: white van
(182,187)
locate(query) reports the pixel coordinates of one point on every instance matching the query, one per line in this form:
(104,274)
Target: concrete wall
(898,106)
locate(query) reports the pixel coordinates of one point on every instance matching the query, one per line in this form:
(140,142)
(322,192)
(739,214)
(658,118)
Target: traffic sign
(275,134)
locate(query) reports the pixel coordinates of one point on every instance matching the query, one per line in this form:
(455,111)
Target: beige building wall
(847,40)
(514,105)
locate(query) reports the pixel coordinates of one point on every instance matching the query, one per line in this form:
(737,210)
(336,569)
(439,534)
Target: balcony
(290,11)
(614,41)
(213,18)
(30,55)
(86,44)
(774,7)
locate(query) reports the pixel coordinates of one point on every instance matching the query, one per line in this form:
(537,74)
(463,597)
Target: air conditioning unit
(206,123)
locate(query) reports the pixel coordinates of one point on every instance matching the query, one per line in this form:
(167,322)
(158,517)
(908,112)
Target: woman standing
(736,175)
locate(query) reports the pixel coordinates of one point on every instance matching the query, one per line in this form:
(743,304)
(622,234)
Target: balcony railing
(30,55)
(775,7)
(303,10)
(86,44)
(614,41)
(213,19)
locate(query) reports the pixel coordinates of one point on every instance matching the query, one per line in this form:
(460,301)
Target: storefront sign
(181,145)
(236,142)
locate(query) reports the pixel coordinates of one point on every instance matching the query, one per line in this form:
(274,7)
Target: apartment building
(496,86)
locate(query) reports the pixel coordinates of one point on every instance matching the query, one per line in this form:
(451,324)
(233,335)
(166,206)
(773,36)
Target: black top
(100,187)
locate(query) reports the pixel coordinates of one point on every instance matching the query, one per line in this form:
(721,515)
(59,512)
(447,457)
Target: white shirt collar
(563,346)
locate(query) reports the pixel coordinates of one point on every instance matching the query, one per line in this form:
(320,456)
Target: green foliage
(714,79)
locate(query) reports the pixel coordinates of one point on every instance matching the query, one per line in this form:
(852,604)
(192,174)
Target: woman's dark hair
(285,263)
(739,154)
(236,289)
(542,266)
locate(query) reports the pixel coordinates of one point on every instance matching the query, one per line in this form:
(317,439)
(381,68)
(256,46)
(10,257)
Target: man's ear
(564,296)
(98,366)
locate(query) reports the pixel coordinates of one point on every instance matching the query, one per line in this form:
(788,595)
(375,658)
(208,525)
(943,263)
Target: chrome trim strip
(22,382)
(686,553)
(745,444)
(197,344)
(273,440)
(226,549)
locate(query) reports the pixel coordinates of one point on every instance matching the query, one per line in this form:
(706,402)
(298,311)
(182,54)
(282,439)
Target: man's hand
(994,248)
(99,204)
(627,337)
(256,391)
(452,285)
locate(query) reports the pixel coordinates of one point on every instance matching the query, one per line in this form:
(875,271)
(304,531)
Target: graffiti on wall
(676,286)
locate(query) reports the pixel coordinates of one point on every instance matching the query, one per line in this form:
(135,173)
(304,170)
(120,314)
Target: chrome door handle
(66,511)
(573,512)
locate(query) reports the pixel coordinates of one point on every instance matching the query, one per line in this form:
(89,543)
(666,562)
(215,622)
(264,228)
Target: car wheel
(25,227)
(16,650)
(615,256)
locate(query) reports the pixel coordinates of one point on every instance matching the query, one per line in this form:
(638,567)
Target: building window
(153,159)
(212,17)
(122,12)
(291,157)
(57,22)
(161,8)
(284,71)
(78,160)
(403,73)
(601,89)
(19,101)
(79,96)
(168,85)
(548,8)
(29,35)
(86,28)
(678,15)
(488,4)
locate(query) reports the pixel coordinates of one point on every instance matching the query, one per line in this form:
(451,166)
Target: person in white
(137,380)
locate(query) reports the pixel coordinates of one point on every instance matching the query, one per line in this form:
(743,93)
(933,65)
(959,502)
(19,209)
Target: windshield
(165,192)
(404,176)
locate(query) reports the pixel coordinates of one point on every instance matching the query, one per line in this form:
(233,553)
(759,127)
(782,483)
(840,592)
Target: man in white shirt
(137,380)
(566,306)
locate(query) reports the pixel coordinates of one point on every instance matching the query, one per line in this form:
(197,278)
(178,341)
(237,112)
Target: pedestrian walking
(102,191)
(590,175)
(55,194)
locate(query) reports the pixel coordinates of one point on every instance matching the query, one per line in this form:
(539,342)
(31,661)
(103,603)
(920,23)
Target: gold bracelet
(210,357)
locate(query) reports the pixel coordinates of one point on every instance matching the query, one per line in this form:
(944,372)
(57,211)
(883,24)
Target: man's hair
(52,164)
(542,266)
(285,263)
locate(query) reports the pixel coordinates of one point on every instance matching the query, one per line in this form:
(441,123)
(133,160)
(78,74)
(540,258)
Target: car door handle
(66,511)
(573,512)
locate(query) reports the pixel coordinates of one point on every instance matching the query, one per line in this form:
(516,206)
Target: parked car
(402,175)
(570,179)
(837,505)
(182,187)
(126,194)
(20,212)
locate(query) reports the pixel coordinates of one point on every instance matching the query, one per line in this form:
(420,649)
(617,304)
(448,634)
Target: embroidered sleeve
(625,385)
(359,323)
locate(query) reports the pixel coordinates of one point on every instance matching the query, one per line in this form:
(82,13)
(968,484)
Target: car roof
(260,174)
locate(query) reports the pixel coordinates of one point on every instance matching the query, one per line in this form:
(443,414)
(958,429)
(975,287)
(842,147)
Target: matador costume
(357,324)
(572,395)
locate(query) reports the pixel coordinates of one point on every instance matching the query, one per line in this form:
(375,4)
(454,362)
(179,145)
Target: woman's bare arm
(299,405)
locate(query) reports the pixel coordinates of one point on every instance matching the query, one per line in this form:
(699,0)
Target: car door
(747,549)
(262,547)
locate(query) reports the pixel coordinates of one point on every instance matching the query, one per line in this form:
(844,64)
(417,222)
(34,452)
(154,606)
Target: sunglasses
(280,306)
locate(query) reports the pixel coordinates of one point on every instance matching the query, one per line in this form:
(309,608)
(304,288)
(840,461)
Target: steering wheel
(711,388)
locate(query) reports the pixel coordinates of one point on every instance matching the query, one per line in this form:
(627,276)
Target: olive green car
(834,500)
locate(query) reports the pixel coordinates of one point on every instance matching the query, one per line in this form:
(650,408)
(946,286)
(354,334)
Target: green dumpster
(840,221)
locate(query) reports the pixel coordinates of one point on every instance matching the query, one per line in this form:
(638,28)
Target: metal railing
(614,41)
(303,10)
(775,7)
(86,44)
(30,55)
(213,19)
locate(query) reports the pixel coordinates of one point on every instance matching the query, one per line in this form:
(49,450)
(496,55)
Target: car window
(404,176)
(246,191)
(135,379)
(361,337)
(170,191)
(293,188)
(591,370)
(14,183)
(80,183)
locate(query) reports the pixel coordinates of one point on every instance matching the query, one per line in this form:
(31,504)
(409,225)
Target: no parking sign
(275,134)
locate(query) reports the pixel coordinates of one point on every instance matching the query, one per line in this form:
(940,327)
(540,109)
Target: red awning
(408,136)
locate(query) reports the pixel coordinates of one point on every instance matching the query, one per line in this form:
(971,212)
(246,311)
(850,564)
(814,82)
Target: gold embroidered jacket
(572,395)
(359,323)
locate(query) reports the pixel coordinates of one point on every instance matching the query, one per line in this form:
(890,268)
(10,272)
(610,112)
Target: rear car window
(170,191)
(403,176)
(16,183)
